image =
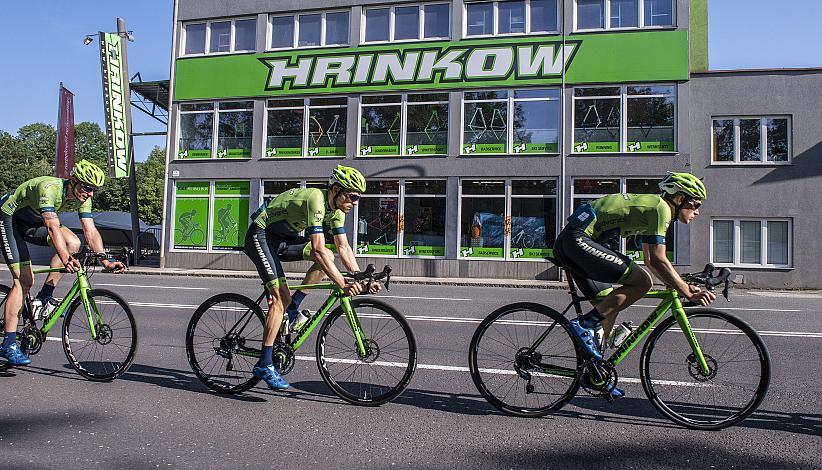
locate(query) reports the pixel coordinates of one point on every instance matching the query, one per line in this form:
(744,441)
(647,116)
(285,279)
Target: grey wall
(764,190)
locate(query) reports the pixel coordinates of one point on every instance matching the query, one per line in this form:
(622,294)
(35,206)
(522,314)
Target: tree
(150,181)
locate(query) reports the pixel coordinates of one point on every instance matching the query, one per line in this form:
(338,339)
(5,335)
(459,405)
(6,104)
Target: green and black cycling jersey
(646,216)
(298,210)
(43,194)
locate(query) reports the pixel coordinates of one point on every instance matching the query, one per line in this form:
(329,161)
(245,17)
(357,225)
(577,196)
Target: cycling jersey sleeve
(337,222)
(84,211)
(315,212)
(49,195)
(658,222)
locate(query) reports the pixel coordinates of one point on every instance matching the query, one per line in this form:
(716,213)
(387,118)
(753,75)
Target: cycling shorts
(14,233)
(594,267)
(269,247)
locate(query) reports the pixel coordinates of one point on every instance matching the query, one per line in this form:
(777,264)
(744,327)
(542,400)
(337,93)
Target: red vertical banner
(64,160)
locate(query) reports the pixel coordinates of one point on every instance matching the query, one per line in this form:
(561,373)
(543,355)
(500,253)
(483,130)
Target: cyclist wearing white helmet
(29,214)
(274,237)
(584,248)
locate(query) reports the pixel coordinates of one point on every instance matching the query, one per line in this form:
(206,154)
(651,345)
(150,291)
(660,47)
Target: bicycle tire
(563,388)
(109,332)
(370,313)
(211,373)
(692,415)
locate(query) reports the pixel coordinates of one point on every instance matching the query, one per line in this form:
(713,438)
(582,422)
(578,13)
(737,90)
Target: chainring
(598,378)
(31,340)
(283,358)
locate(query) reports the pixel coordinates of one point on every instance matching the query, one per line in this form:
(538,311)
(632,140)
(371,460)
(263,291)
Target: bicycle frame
(80,287)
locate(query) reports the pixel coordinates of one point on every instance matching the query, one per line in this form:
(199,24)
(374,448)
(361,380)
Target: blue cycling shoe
(616,393)
(14,355)
(271,377)
(585,336)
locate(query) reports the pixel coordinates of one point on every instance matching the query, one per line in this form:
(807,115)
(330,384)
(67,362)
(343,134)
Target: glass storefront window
(536,121)
(196,131)
(285,123)
(195,38)
(407,124)
(235,125)
(378,218)
(482,225)
(427,130)
(424,218)
(228,204)
(533,218)
(723,134)
(596,120)
(381,125)
(191,200)
(326,126)
(486,123)
(650,119)
(230,215)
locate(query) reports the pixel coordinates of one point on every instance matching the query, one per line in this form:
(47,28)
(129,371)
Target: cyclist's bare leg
(73,245)
(23,278)
(275,315)
(636,285)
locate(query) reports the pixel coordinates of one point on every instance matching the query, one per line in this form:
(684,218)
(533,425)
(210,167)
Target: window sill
(215,54)
(210,159)
(303,157)
(623,30)
(623,154)
(430,155)
(752,164)
(403,41)
(749,267)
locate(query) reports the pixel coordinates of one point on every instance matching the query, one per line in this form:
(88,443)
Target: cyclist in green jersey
(274,237)
(29,214)
(583,247)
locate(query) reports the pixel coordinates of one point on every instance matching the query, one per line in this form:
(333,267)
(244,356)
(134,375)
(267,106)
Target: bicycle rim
(500,360)
(733,389)
(392,354)
(109,355)
(221,359)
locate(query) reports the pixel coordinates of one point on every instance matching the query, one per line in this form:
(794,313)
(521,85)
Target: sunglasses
(88,188)
(694,203)
(352,196)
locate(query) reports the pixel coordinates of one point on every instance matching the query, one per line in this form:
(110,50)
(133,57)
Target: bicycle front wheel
(109,354)
(737,380)
(223,342)
(513,372)
(391,354)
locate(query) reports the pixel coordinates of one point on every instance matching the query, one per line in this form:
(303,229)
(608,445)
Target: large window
(306,127)
(210,215)
(620,14)
(751,242)
(404,218)
(511,17)
(225,126)
(220,37)
(751,140)
(632,119)
(319,29)
(511,121)
(587,189)
(507,219)
(407,22)
(404,124)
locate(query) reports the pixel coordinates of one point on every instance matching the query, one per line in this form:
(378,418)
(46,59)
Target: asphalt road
(159,415)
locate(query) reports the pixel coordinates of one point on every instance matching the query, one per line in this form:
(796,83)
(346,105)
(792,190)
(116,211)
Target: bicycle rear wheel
(391,354)
(110,354)
(740,370)
(512,376)
(223,342)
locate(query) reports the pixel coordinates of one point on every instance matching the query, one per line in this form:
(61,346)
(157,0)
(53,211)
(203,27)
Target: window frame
(401,195)
(763,140)
(508,197)
(306,108)
(495,20)
(295,39)
(207,44)
(391,22)
(212,195)
(623,117)
(511,101)
(403,130)
(763,249)
(640,19)
(215,127)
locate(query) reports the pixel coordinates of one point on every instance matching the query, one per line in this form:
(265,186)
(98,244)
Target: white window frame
(295,40)
(737,241)
(495,20)
(510,101)
(208,37)
(211,197)
(403,103)
(506,217)
(421,26)
(640,19)
(623,114)
(401,194)
(215,126)
(763,142)
(623,188)
(306,107)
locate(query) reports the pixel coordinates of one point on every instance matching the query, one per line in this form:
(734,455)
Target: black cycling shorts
(594,267)
(268,247)
(14,234)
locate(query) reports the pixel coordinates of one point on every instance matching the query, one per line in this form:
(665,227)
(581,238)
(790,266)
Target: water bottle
(619,334)
(36,309)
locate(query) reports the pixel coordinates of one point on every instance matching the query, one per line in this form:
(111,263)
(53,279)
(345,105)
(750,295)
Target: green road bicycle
(366,351)
(99,331)
(701,368)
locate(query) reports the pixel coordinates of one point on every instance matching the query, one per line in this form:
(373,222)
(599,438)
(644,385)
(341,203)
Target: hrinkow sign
(513,61)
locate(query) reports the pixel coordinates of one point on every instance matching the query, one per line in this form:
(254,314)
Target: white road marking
(152,287)
(746,309)
(423,298)
(791,295)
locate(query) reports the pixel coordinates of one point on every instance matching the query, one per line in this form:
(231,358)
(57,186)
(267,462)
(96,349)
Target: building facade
(480,125)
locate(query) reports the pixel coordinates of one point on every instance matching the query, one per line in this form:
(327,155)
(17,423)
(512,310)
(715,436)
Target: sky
(42,44)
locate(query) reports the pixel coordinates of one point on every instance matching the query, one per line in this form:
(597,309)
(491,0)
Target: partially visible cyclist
(29,214)
(274,237)
(585,246)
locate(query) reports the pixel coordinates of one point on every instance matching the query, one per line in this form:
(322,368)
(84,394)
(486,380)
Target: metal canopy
(151,97)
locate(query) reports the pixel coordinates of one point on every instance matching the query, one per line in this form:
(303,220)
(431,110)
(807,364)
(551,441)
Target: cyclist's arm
(346,253)
(657,261)
(52,223)
(325,258)
(95,241)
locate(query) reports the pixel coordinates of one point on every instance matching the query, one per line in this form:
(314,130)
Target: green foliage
(30,154)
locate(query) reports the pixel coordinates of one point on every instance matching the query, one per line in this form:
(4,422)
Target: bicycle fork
(356,327)
(685,326)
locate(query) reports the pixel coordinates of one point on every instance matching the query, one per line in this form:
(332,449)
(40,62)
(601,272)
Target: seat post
(576,299)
